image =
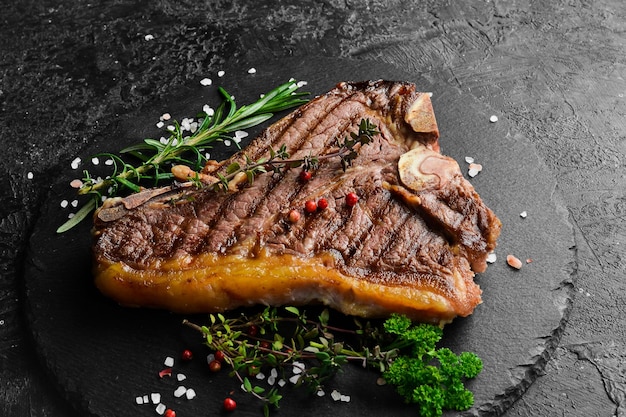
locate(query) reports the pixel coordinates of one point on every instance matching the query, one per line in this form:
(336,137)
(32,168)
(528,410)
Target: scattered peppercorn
(294,216)
(305,175)
(229,404)
(253,330)
(351,199)
(215,366)
(219,356)
(310,206)
(322,204)
(187,355)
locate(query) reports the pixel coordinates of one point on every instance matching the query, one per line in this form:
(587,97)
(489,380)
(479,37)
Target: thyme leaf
(309,352)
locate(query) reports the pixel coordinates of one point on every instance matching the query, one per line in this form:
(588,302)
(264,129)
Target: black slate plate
(101,356)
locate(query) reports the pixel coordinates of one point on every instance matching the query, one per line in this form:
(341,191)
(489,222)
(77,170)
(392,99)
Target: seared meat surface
(411,244)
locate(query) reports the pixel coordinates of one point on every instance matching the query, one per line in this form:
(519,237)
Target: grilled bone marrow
(411,244)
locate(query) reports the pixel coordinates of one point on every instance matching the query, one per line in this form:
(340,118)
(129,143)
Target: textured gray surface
(554,71)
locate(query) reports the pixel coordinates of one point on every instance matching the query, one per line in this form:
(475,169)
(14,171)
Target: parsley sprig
(309,352)
(153,155)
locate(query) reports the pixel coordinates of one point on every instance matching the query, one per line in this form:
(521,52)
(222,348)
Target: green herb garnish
(404,353)
(279,158)
(153,155)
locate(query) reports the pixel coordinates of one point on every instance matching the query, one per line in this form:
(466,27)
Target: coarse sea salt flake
(260,376)
(335,395)
(206,81)
(320,393)
(523,214)
(345,398)
(108,162)
(240,134)
(208,110)
(226,142)
(30,175)
(145,399)
(160,409)
(149,37)
(160,124)
(469,159)
(64,203)
(180,391)
(281,382)
(155,397)
(166,116)
(252,71)
(493,119)
(75,163)
(169,362)
(74,203)
(220,73)
(139,400)
(181,377)
(491,258)
(294,379)
(190,394)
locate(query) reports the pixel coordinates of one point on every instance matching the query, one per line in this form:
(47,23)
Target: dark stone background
(554,69)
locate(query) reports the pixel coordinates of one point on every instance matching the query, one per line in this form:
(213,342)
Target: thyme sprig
(309,352)
(280,159)
(153,155)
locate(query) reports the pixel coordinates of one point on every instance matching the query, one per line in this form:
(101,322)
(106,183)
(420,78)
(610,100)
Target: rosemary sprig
(309,352)
(279,159)
(181,149)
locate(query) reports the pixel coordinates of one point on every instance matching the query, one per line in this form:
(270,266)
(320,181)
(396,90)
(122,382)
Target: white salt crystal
(181,377)
(169,362)
(294,379)
(145,399)
(493,119)
(298,367)
(472,172)
(139,400)
(190,394)
(64,203)
(206,81)
(74,203)
(301,83)
(171,128)
(75,163)
(210,358)
(180,391)
(29,175)
(108,162)
(260,376)
(320,392)
(345,398)
(252,71)
(149,37)
(160,124)
(335,395)
(491,258)
(166,116)
(281,382)
(163,140)
(240,134)
(523,214)
(208,110)
(220,73)
(469,159)
(155,397)
(227,142)
(160,409)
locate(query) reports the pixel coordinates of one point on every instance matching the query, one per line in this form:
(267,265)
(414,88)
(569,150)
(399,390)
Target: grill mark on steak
(416,238)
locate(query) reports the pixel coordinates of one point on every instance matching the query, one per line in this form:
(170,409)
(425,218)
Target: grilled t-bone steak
(410,245)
